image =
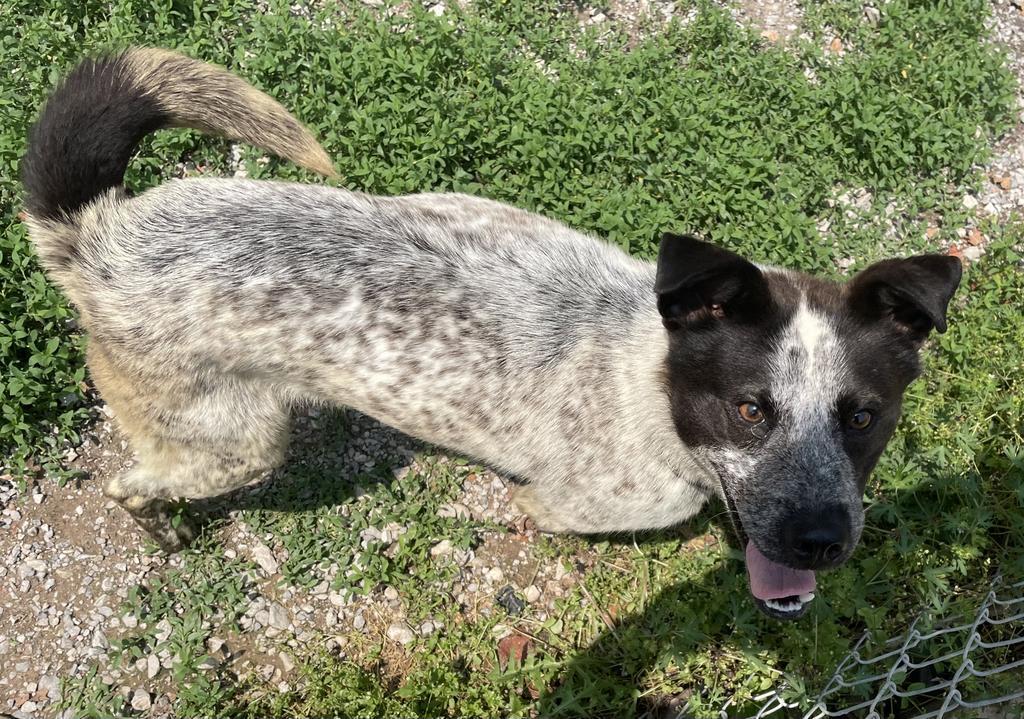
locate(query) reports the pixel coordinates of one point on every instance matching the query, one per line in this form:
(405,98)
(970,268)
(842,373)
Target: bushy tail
(94,120)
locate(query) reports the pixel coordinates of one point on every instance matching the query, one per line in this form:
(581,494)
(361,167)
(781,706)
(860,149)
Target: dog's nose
(819,540)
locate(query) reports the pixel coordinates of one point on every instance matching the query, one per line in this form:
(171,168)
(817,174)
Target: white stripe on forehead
(808,370)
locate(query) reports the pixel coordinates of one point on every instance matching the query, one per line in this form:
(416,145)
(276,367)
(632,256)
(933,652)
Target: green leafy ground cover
(696,127)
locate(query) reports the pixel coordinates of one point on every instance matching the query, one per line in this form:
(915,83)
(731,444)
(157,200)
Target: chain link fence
(969,657)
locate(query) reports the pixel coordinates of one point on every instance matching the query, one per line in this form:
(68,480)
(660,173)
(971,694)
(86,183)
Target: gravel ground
(70,557)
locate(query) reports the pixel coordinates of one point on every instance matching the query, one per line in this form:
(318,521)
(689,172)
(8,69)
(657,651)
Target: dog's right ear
(698,283)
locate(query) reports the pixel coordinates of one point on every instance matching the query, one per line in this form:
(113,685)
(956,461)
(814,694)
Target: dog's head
(790,387)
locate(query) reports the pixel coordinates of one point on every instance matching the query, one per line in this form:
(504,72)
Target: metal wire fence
(969,658)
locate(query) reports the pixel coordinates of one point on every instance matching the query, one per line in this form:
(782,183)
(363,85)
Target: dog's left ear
(698,283)
(912,293)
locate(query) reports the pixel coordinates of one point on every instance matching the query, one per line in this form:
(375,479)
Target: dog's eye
(861,419)
(751,413)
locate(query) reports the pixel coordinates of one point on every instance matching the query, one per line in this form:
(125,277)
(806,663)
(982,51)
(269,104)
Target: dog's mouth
(779,591)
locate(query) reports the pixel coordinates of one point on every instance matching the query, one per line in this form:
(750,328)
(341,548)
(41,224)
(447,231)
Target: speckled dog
(621,394)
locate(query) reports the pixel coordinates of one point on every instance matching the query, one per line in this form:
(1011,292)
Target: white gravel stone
(99,639)
(531,593)
(141,701)
(279,616)
(442,548)
(401,633)
(262,555)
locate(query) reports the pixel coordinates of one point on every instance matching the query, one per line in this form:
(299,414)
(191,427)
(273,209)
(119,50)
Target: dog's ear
(698,283)
(912,294)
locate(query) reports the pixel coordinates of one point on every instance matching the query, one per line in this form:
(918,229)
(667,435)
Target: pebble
(141,701)
(51,685)
(442,548)
(99,639)
(279,616)
(531,593)
(973,253)
(262,555)
(391,594)
(359,622)
(152,666)
(401,633)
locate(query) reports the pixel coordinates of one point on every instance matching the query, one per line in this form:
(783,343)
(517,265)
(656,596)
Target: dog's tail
(94,120)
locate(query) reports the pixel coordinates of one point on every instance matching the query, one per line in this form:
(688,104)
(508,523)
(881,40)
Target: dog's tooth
(804,598)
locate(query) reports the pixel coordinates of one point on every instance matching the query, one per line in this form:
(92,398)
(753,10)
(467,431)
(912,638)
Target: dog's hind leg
(193,437)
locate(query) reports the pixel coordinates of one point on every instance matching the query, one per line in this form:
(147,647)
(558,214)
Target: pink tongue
(769,580)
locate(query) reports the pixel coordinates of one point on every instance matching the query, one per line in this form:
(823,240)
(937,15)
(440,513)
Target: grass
(697,127)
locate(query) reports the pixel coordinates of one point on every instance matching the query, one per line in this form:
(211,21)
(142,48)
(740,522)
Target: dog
(619,394)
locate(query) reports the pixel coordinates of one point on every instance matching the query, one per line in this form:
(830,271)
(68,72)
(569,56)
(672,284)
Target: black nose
(817,540)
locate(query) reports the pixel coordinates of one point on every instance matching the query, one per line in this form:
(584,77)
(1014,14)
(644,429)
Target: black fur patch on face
(85,136)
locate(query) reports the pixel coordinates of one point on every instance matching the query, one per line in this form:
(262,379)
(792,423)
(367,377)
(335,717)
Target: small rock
(262,555)
(974,236)
(163,631)
(1004,182)
(510,601)
(130,621)
(494,574)
(152,666)
(51,685)
(208,664)
(278,616)
(141,701)
(359,622)
(513,646)
(427,628)
(287,663)
(391,594)
(400,633)
(531,593)
(973,253)
(99,640)
(970,202)
(36,565)
(454,509)
(442,548)
(872,14)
